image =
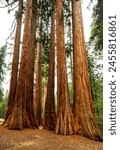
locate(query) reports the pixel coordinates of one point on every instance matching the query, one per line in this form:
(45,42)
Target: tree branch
(8,4)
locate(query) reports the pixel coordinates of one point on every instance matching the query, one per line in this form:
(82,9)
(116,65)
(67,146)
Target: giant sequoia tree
(50,116)
(64,123)
(22,114)
(14,73)
(83,108)
(38,86)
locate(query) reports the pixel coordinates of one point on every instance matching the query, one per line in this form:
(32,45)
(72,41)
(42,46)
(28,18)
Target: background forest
(94,50)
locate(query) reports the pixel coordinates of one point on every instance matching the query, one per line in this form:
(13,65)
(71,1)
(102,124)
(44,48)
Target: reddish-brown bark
(44,97)
(85,122)
(14,73)
(22,114)
(64,123)
(38,86)
(49,115)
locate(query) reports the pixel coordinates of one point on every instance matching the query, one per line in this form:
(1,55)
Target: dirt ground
(38,139)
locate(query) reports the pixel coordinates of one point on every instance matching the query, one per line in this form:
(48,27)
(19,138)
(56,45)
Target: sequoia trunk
(14,73)
(49,115)
(38,87)
(85,122)
(64,124)
(22,114)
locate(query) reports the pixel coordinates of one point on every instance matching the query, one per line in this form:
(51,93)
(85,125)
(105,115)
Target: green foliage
(1,93)
(96,38)
(2,66)
(68,27)
(71,94)
(3,105)
(96,83)
(46,8)
(95,56)
(45,53)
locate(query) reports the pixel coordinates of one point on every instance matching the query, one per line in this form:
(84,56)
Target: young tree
(49,115)
(64,124)
(22,114)
(83,108)
(2,65)
(14,73)
(38,86)
(44,96)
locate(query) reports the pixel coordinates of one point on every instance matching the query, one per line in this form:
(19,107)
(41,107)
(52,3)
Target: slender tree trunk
(50,116)
(38,87)
(14,73)
(64,124)
(31,58)
(44,97)
(22,114)
(85,122)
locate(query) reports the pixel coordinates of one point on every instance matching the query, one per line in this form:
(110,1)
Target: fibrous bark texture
(64,123)
(49,115)
(44,97)
(38,87)
(83,109)
(14,73)
(22,114)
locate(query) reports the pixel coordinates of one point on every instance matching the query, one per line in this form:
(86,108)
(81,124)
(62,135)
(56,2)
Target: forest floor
(34,139)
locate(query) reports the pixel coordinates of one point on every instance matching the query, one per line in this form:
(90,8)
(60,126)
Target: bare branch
(11,32)
(12,24)
(8,4)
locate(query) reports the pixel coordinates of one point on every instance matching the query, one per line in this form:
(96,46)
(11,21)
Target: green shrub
(3,106)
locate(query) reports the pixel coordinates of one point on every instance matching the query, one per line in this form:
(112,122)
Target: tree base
(49,121)
(64,124)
